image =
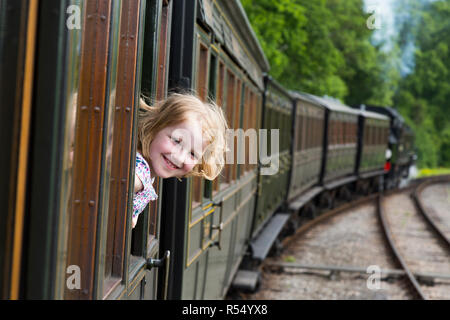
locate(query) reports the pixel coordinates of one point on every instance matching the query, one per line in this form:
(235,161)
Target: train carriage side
(274,169)
(401,146)
(214,51)
(342,135)
(307,150)
(78,188)
(372,146)
(340,149)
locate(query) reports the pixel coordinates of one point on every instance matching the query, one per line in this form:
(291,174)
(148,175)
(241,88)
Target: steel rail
(417,194)
(388,234)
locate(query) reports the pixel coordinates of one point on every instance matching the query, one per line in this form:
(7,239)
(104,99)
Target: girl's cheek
(188,167)
(168,147)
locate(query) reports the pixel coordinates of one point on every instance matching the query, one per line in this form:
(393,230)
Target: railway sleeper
(333,272)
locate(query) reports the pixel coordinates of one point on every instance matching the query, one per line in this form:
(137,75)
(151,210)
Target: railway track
(418,242)
(413,280)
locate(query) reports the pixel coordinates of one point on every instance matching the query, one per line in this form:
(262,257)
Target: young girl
(178,137)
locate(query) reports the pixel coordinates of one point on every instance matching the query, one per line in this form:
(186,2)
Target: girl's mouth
(169,163)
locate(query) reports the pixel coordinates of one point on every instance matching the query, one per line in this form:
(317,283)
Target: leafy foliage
(424,95)
(324,47)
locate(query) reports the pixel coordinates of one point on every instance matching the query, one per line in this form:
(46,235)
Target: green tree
(424,95)
(321,47)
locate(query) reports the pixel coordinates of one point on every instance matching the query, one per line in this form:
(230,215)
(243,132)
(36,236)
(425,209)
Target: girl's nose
(178,157)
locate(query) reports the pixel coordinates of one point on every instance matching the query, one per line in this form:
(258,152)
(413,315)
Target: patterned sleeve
(143,197)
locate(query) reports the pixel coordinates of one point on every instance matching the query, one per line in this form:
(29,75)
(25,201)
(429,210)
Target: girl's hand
(134,221)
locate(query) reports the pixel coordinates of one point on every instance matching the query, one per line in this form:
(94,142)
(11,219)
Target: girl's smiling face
(175,150)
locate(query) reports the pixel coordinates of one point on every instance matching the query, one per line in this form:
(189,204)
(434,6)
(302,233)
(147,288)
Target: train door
(96,237)
(70,177)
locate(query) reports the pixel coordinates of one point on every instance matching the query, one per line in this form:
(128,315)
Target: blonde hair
(176,109)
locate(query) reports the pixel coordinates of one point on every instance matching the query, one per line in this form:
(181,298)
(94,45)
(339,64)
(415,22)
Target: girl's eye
(176,140)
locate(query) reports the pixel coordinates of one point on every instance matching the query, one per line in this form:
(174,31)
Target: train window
(161,83)
(230,101)
(372,135)
(202,72)
(298,129)
(255,118)
(336,131)
(251,125)
(354,133)
(330,132)
(258,112)
(375,138)
(92,143)
(268,125)
(349,132)
(375,134)
(219,100)
(245,126)
(161,92)
(212,89)
(236,125)
(284,128)
(119,204)
(303,131)
(202,90)
(317,133)
(307,133)
(315,130)
(366,134)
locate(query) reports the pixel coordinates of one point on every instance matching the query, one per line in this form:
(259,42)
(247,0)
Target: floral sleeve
(143,197)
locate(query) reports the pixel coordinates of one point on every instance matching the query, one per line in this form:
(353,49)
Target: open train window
(154,82)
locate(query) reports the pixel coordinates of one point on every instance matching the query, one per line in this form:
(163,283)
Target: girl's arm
(138,186)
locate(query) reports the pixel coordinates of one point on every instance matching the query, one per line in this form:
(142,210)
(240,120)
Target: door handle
(218,227)
(158,263)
